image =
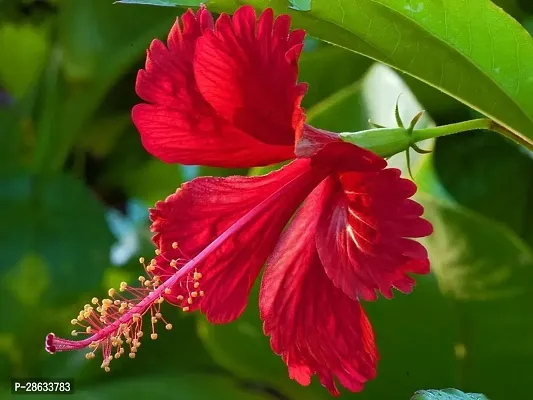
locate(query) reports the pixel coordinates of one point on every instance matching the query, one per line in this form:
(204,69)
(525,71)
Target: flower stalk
(387,142)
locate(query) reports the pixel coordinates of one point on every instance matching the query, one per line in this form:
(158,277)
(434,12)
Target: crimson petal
(177,124)
(363,236)
(313,325)
(255,208)
(248,72)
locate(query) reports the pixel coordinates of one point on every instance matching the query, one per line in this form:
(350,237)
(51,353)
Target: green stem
(389,141)
(428,133)
(481,123)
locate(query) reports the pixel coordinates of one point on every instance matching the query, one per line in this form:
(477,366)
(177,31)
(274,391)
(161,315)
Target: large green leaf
(469,49)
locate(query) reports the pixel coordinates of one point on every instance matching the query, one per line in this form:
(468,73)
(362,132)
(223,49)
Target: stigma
(116,325)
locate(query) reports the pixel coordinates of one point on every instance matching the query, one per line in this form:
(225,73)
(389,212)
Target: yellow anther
(141,278)
(179,297)
(141,260)
(123,326)
(168,327)
(88,329)
(89,356)
(123,286)
(174,245)
(185,309)
(132,355)
(74,321)
(107,369)
(153,262)
(196,285)
(116,302)
(194,294)
(173,264)
(74,333)
(94,300)
(158,315)
(140,334)
(136,317)
(160,300)
(107,302)
(86,314)
(153,336)
(122,350)
(157,252)
(111,292)
(117,355)
(128,340)
(202,293)
(168,291)
(189,300)
(133,349)
(80,317)
(154,320)
(147,283)
(197,276)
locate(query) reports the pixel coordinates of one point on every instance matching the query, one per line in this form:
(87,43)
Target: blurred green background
(75,185)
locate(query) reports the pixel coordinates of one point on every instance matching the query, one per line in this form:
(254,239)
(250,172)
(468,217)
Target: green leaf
(446,394)
(488,68)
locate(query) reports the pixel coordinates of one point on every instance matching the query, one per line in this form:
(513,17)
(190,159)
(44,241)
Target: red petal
(363,234)
(313,325)
(178,125)
(248,70)
(203,209)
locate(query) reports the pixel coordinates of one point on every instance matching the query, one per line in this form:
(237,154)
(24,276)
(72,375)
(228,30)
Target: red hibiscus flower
(226,94)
